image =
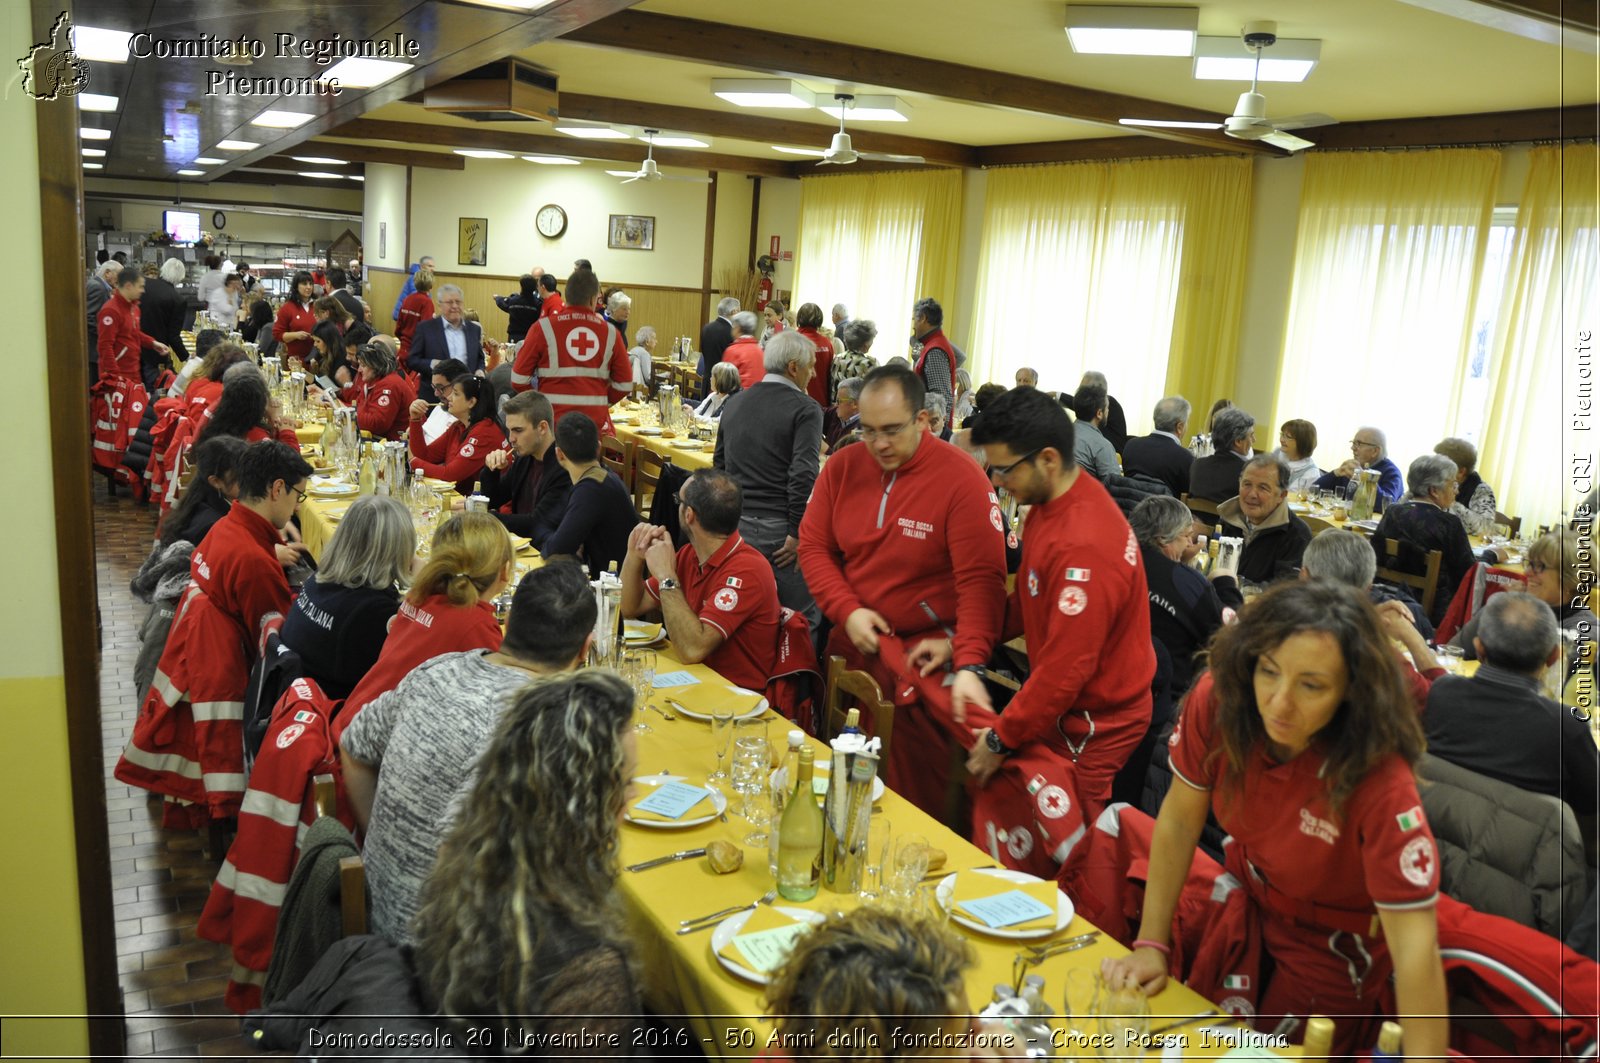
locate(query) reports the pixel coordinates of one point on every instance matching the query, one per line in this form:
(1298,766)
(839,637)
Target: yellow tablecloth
(667,448)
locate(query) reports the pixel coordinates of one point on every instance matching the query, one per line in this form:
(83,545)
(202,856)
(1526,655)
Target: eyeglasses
(300,496)
(869,434)
(1005,470)
(1363,443)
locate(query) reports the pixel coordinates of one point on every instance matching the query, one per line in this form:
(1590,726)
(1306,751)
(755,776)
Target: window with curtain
(1388,264)
(878,243)
(1132,268)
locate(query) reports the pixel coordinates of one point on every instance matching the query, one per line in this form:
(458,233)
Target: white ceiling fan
(841,153)
(649,171)
(1249,120)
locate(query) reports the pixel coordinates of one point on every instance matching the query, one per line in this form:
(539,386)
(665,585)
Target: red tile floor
(172,982)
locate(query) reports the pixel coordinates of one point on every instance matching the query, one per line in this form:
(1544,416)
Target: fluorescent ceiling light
(89,132)
(623,173)
(359,73)
(320,173)
(1097,30)
(1158,124)
(551,160)
(484,153)
(763,92)
(281,119)
(106,46)
(203,161)
(355,177)
(320,160)
(190,173)
(677,140)
(1227,59)
(93,101)
(93,166)
(516,5)
(867,109)
(814,152)
(93,153)
(237,145)
(592,132)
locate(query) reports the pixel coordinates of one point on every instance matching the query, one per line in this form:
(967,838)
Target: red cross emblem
(1053,802)
(1416,862)
(582,344)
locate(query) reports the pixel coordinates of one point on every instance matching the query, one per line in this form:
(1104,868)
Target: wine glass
(721,735)
(906,869)
(639,668)
(1124,1019)
(876,858)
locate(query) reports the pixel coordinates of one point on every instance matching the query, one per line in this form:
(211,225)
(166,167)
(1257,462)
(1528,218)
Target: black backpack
(278,667)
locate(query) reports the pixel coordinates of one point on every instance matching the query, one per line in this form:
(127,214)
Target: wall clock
(551,221)
(219,219)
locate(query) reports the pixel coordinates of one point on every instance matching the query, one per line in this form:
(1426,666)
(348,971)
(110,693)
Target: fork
(705,922)
(664,713)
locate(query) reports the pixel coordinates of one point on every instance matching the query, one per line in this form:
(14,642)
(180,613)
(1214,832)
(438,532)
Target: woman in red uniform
(1302,739)
(414,309)
(380,394)
(449,608)
(458,454)
(295,320)
(808,321)
(243,410)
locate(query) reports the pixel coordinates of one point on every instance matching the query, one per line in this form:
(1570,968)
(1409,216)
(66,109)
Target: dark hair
(242,267)
(265,463)
(552,614)
(213,262)
(914,391)
(480,392)
(1088,402)
(301,276)
(582,287)
(336,276)
(1377,717)
(218,456)
(548,282)
(101,257)
(987,394)
(1026,420)
(224,357)
(929,311)
(1304,434)
(715,499)
(578,436)
(241,407)
(529,283)
(121,256)
(331,306)
(450,368)
(330,334)
(808,316)
(531,406)
(127,275)
(207,339)
(583,263)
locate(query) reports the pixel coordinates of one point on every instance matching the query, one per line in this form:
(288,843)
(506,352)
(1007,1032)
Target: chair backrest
(1397,563)
(1514,523)
(352,896)
(618,457)
(860,687)
(1198,506)
(647,466)
(1316,524)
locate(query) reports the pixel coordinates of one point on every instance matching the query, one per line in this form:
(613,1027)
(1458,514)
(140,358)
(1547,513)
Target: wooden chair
(647,466)
(1427,583)
(618,457)
(1316,524)
(1203,509)
(1514,523)
(860,687)
(352,870)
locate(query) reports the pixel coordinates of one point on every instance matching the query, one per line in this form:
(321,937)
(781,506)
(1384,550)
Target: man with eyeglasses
(903,537)
(1083,603)
(1369,449)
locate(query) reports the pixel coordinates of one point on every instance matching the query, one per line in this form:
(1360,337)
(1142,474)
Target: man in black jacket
(715,337)
(523,307)
(1274,538)
(339,288)
(1161,455)
(529,479)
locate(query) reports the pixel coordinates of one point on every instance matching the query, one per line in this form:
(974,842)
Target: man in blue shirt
(1369,449)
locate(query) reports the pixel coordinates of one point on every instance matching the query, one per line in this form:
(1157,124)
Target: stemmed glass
(638,667)
(721,735)
(877,857)
(751,766)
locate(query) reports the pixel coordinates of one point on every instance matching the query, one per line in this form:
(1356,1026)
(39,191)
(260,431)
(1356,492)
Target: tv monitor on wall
(182,225)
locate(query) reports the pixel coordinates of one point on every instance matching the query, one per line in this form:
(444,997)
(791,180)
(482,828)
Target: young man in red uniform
(119,394)
(904,536)
(1080,599)
(717,596)
(578,356)
(187,742)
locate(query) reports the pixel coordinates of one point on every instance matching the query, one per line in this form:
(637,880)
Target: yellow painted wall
(41,959)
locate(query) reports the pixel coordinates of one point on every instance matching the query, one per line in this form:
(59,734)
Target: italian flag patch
(1077,575)
(1410,819)
(1236,981)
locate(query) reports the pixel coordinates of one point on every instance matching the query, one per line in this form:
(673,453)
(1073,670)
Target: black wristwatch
(976,669)
(669,584)
(992,740)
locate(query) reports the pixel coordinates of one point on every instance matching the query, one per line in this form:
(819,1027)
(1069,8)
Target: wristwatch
(976,669)
(670,584)
(992,740)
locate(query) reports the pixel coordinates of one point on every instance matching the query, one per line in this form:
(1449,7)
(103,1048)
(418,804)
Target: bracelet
(1165,950)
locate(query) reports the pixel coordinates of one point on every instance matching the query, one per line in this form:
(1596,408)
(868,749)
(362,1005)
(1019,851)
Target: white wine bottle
(800,837)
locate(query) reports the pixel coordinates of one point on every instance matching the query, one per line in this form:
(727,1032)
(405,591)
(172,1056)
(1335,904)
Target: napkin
(767,937)
(699,808)
(972,886)
(640,631)
(703,697)
(522,545)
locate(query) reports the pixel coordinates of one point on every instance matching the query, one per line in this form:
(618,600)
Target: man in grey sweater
(770,442)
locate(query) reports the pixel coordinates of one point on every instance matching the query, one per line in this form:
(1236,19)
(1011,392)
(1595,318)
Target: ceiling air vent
(506,91)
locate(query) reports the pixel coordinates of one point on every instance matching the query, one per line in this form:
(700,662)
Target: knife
(686,854)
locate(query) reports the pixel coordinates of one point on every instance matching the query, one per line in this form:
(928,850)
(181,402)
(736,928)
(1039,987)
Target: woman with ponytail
(448,609)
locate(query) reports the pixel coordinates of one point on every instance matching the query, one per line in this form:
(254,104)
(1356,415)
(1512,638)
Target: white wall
(731,247)
(779,216)
(1274,213)
(384,206)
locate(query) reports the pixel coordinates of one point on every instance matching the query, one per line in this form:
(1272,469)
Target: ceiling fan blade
(1304,121)
(835,162)
(635,177)
(1287,141)
(1160,123)
(878,156)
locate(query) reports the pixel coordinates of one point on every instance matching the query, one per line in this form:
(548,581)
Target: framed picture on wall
(632,232)
(472,241)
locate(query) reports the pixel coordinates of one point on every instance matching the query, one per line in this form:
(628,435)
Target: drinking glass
(878,837)
(750,771)
(1450,657)
(1124,1020)
(1080,999)
(721,735)
(906,869)
(639,669)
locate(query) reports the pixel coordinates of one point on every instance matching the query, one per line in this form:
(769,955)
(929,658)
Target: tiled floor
(172,982)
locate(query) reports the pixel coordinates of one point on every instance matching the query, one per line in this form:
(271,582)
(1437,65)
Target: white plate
(730,927)
(648,431)
(334,490)
(947,888)
(719,805)
(684,710)
(780,778)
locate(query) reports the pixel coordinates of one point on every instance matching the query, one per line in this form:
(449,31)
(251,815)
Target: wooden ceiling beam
(1569,23)
(1500,127)
(536,144)
(757,128)
(1086,150)
(362,153)
(785,55)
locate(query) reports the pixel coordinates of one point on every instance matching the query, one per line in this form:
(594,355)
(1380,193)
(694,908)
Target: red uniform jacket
(200,396)
(458,454)
(119,338)
(115,409)
(581,363)
(286,436)
(381,406)
(292,317)
(417,308)
(745,355)
(818,388)
(188,740)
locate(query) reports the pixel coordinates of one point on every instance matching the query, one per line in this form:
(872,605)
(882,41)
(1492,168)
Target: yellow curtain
(1534,454)
(1386,269)
(1083,266)
(878,243)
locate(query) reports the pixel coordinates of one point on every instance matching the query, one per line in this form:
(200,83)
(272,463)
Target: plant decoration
(157,238)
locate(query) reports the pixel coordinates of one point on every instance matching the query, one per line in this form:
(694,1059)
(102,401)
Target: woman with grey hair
(724,384)
(339,621)
(618,306)
(934,403)
(1423,522)
(1186,609)
(1475,503)
(162,307)
(641,356)
(857,338)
